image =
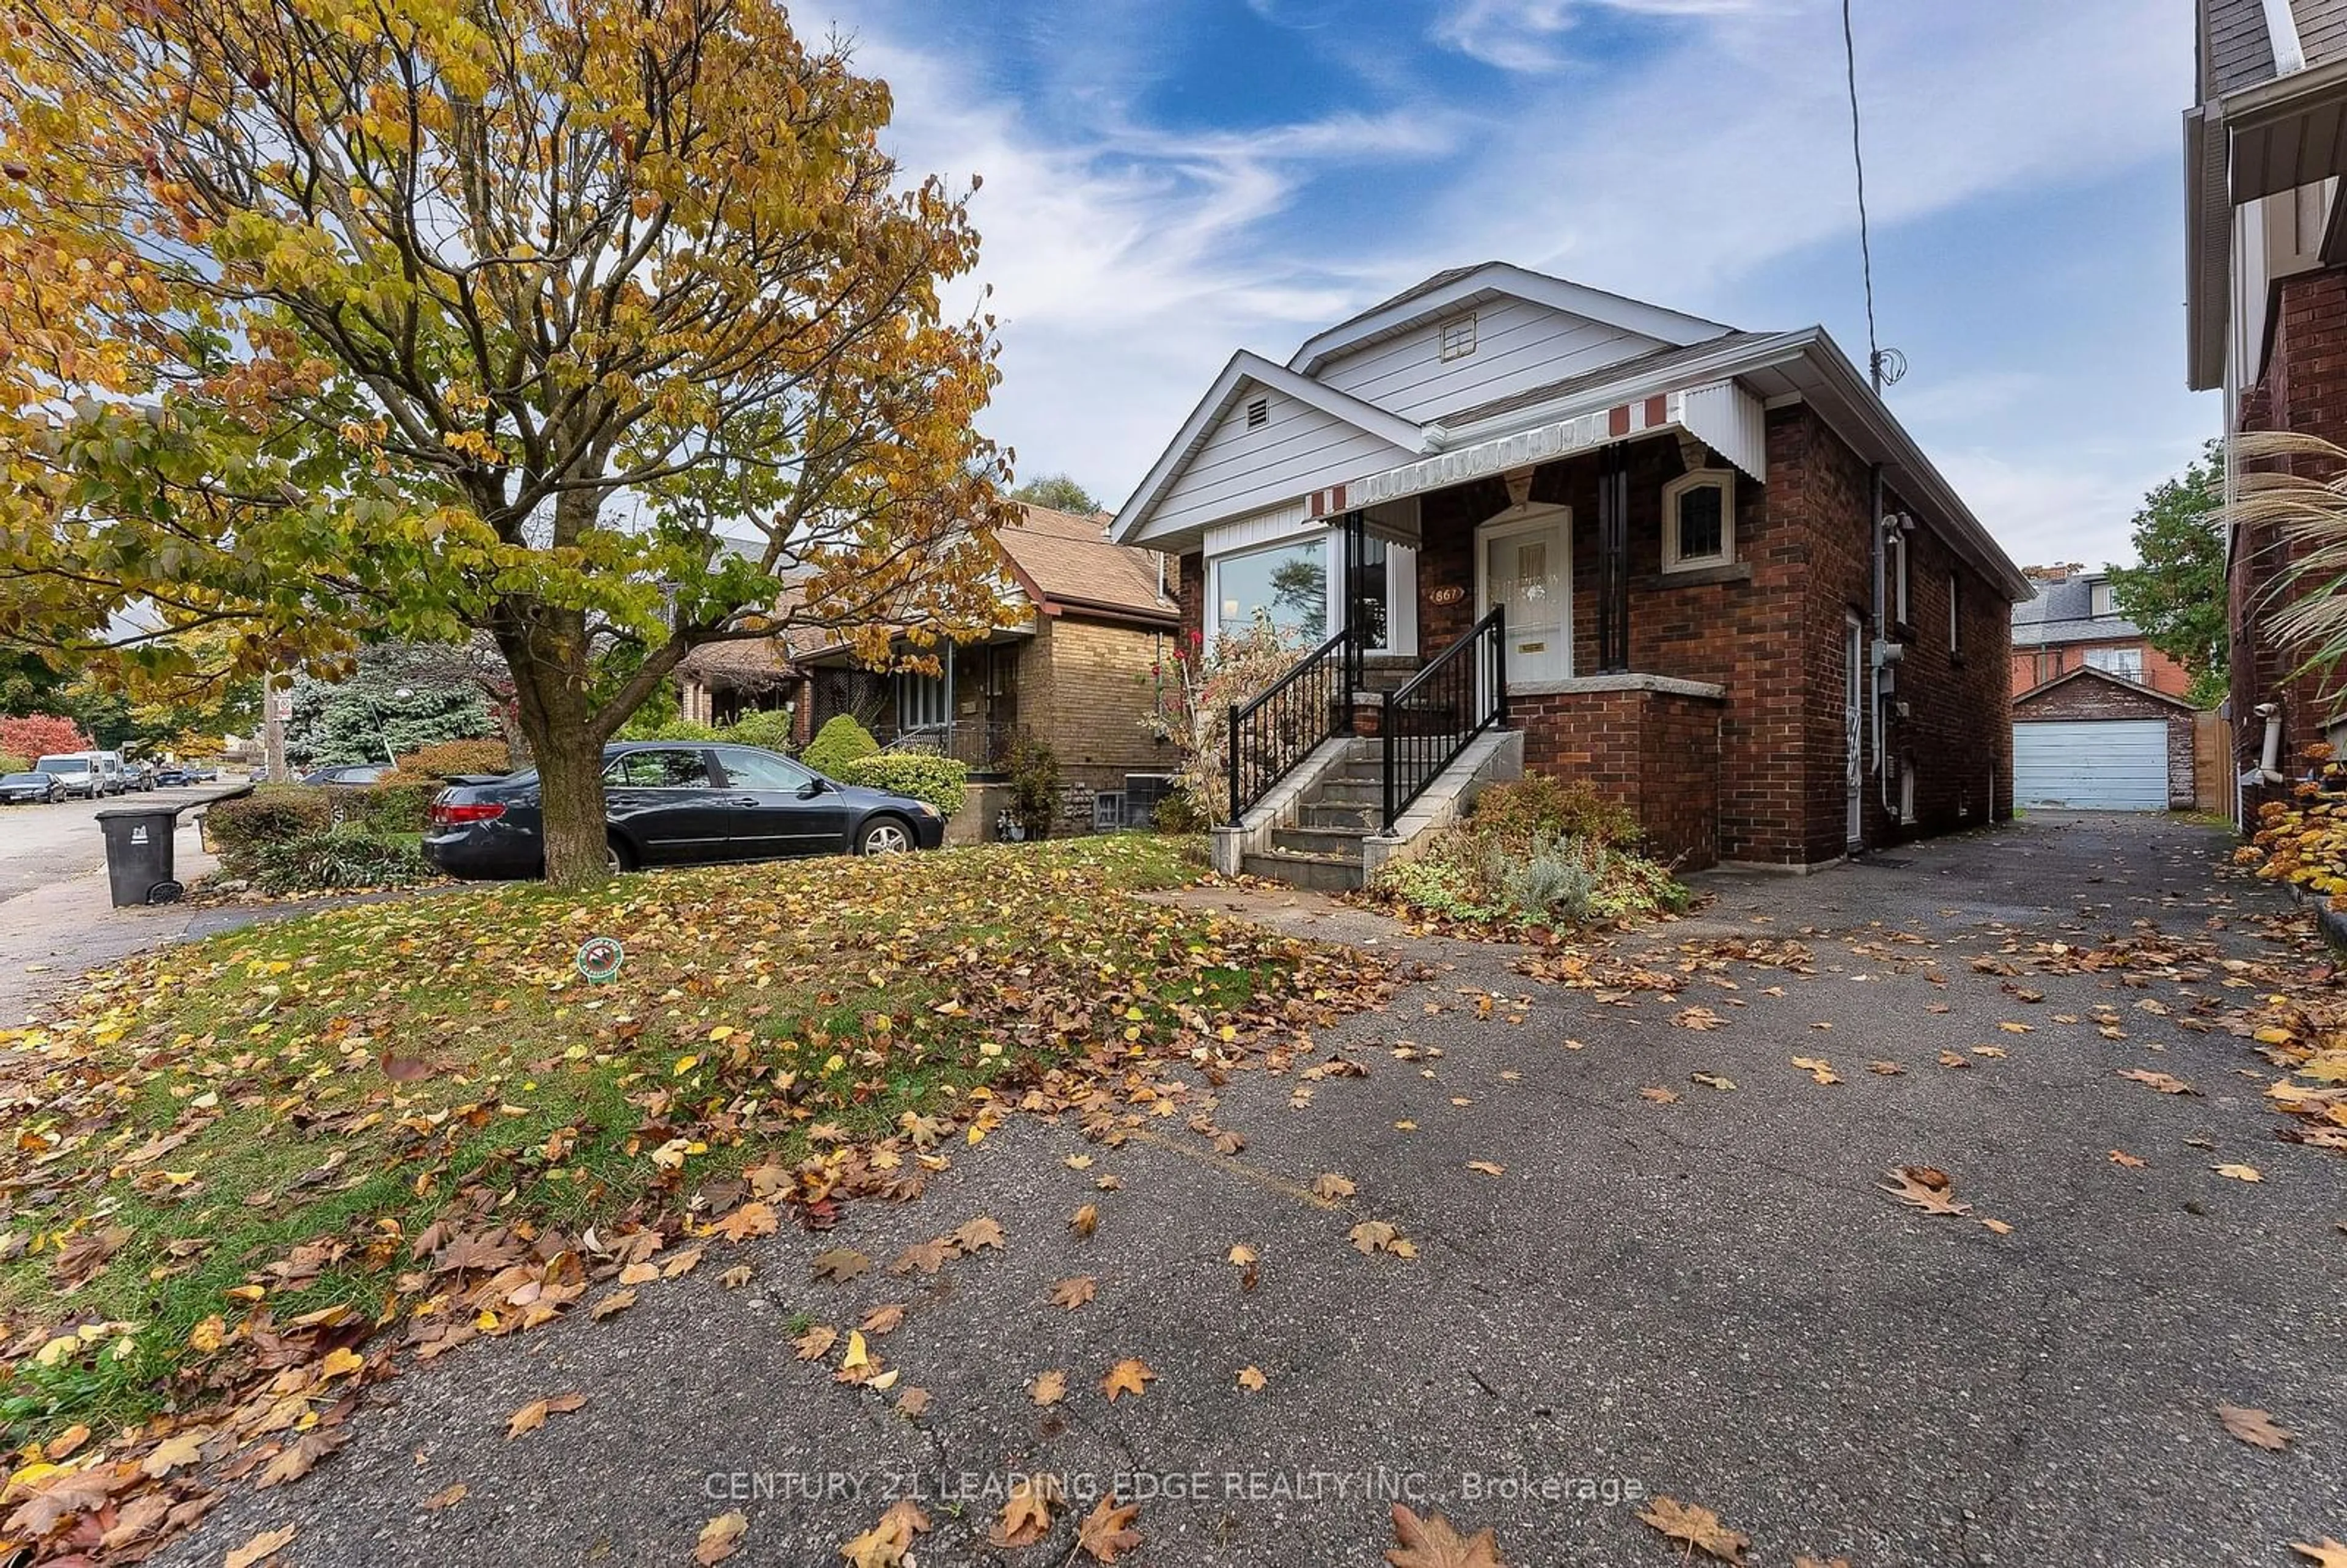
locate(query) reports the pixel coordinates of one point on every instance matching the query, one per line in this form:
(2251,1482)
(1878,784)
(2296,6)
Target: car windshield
(22,778)
(62,765)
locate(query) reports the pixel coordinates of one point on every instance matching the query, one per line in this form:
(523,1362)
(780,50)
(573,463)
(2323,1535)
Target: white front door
(1525,567)
(1854,729)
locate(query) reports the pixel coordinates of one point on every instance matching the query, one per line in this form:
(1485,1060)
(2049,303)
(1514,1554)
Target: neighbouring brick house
(1729,588)
(1081,665)
(2093,740)
(2072,622)
(2266,305)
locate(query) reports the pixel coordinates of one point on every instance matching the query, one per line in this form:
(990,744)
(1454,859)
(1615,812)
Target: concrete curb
(2327,920)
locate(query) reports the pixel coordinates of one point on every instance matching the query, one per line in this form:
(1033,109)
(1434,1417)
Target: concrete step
(1336,841)
(1361,814)
(1340,792)
(1322,873)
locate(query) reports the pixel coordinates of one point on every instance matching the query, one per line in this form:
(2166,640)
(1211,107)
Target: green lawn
(380,1108)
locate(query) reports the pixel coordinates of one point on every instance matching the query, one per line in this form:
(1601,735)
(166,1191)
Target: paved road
(1708,1298)
(56,917)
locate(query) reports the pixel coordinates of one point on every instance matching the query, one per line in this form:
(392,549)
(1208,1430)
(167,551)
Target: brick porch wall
(1658,752)
(2304,390)
(2087,698)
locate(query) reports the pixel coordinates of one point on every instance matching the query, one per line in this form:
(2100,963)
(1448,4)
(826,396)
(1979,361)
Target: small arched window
(1699,520)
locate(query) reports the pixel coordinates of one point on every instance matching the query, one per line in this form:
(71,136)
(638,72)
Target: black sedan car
(674,802)
(17,789)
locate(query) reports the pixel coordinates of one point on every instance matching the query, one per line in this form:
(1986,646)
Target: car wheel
(885,836)
(617,858)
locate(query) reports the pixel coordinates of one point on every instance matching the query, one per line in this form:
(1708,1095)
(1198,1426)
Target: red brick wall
(2304,390)
(2089,697)
(2033,666)
(1658,752)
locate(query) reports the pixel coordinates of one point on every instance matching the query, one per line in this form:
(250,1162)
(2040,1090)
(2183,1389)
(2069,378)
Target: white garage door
(2091,765)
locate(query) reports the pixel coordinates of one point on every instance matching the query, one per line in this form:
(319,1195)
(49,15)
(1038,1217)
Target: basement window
(1459,336)
(1699,521)
(1258,412)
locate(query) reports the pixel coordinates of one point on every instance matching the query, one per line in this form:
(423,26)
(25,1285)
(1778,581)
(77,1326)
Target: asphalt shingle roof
(2064,612)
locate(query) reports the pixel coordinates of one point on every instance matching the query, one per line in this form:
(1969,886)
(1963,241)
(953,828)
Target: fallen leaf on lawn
(840,1264)
(639,1274)
(447,1498)
(2121,1157)
(2254,1427)
(752,1219)
(1712,1080)
(2239,1172)
(1252,1379)
(302,1455)
(1108,1530)
(1085,1220)
(1129,1376)
(1803,1560)
(175,1452)
(1241,1255)
(886,1545)
(1817,1068)
(1992,1051)
(816,1342)
(1486,1167)
(65,1443)
(1073,1293)
(1696,1018)
(1913,1185)
(883,1320)
(2017,1027)
(1432,1542)
(1080,1162)
(1659,1095)
(1405,1126)
(978,1234)
(1700,1528)
(857,1356)
(735,1278)
(928,1256)
(720,1538)
(1049,1388)
(268,1544)
(617,1301)
(2162,1081)
(1331,1188)
(684,1263)
(1885,1069)
(532,1416)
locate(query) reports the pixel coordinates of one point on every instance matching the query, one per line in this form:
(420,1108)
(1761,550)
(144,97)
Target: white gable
(1518,344)
(1244,467)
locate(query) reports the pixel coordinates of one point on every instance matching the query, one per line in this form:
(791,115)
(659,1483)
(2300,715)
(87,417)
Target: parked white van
(77,772)
(110,772)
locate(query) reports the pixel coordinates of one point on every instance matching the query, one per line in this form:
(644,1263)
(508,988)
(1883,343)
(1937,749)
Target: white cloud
(2045,511)
(1531,34)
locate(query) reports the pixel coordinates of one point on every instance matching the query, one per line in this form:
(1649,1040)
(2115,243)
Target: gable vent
(1459,336)
(1259,412)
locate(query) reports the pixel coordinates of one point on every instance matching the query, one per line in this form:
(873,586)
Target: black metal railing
(1311,703)
(984,744)
(1426,723)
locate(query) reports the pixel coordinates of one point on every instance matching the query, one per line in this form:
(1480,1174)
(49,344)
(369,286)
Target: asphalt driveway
(1645,1284)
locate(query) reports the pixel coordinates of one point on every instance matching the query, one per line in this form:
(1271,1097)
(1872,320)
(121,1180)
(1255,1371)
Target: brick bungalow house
(1530,525)
(1079,666)
(2266,304)
(2072,622)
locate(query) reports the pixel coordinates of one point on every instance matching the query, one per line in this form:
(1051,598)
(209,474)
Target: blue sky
(1166,182)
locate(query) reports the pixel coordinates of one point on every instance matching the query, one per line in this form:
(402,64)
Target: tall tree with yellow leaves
(599,327)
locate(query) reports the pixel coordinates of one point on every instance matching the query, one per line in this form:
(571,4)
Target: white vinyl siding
(1295,450)
(1518,344)
(2091,765)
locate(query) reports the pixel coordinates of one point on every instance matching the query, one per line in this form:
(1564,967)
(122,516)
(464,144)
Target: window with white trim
(920,700)
(1699,520)
(2126,664)
(2100,601)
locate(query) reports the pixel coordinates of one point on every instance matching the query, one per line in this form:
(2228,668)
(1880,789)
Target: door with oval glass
(1524,566)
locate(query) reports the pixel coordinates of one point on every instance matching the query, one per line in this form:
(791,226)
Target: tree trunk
(545,651)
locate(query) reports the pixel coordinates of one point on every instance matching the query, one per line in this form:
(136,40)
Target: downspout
(1875,638)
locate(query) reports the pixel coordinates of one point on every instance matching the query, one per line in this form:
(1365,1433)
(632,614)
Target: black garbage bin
(139,853)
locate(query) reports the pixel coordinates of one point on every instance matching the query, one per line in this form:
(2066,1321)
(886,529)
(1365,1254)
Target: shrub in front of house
(1537,855)
(921,774)
(338,858)
(240,829)
(453,759)
(397,804)
(840,742)
(771,731)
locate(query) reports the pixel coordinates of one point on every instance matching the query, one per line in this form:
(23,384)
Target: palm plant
(2304,606)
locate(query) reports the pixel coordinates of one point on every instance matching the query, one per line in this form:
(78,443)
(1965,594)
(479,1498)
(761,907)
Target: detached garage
(2090,741)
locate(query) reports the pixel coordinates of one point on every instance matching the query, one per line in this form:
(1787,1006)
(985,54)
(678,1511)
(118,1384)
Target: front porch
(1595,604)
